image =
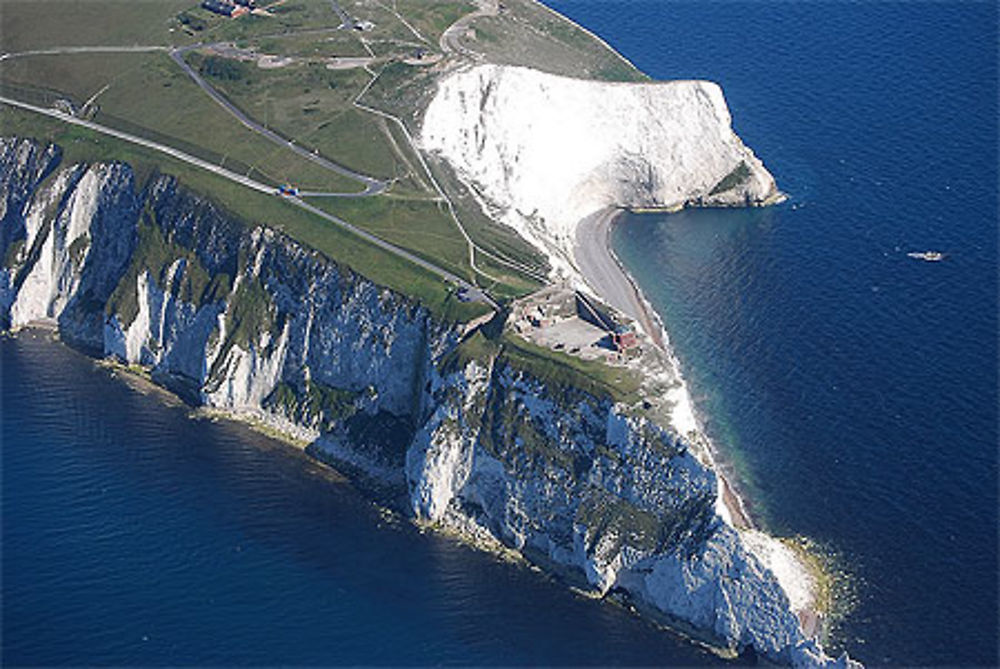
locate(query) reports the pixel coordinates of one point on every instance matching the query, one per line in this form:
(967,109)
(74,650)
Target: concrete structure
(219,7)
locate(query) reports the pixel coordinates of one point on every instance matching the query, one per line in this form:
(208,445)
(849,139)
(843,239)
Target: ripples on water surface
(854,387)
(133,535)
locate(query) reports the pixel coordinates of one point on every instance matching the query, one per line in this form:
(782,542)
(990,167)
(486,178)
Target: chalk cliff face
(544,151)
(246,320)
(581,487)
(236,318)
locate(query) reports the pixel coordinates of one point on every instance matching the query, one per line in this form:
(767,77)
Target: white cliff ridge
(544,151)
(247,321)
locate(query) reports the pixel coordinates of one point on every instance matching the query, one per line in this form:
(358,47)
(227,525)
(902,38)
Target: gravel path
(605,274)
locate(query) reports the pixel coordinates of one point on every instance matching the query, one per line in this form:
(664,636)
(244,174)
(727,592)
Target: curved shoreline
(607,276)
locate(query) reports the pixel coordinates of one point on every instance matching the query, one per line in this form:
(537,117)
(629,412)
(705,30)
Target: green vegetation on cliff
(156,255)
(737,177)
(82,145)
(318,405)
(560,370)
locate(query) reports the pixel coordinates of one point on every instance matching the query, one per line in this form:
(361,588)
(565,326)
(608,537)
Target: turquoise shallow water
(853,389)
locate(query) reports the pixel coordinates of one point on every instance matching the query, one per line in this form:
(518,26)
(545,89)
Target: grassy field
(421,226)
(36,24)
(530,35)
(314,106)
(148,95)
(386,269)
(427,229)
(323,43)
(432,17)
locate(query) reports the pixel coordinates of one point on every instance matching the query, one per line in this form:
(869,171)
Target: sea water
(134,534)
(851,388)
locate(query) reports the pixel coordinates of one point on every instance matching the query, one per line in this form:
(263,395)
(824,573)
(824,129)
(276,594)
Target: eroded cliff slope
(544,151)
(243,319)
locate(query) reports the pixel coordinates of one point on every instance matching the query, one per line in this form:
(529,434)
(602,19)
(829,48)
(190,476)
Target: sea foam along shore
(605,275)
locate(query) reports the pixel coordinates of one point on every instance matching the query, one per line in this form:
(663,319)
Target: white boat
(929,256)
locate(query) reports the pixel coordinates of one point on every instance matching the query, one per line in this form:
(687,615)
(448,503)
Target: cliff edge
(543,151)
(474,434)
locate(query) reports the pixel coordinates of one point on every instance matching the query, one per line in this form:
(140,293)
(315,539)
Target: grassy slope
(561,369)
(313,106)
(527,33)
(32,24)
(170,109)
(432,17)
(552,367)
(421,225)
(82,145)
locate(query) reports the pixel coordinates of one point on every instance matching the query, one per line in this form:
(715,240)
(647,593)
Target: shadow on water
(134,534)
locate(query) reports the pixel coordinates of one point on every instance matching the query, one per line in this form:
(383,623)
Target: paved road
(156,146)
(83,49)
(345,19)
(472,292)
(373,186)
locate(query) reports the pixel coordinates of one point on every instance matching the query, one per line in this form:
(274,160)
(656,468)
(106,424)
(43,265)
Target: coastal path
(471,293)
(373,186)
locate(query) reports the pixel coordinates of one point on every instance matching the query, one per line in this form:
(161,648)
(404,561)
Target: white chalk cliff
(248,321)
(544,151)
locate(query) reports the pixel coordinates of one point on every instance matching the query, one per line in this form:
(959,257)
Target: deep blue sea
(135,535)
(852,390)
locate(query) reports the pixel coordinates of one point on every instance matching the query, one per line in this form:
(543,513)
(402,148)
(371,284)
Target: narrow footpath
(472,293)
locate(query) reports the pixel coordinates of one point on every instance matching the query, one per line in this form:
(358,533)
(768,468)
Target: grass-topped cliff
(346,81)
(299,131)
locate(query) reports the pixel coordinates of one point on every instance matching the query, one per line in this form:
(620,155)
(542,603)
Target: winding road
(141,141)
(373,186)
(471,292)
